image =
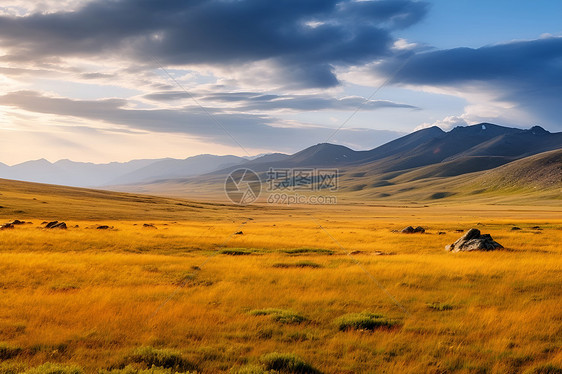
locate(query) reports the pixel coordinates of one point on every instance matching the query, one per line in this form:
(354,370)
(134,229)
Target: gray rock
(411,230)
(472,240)
(56,225)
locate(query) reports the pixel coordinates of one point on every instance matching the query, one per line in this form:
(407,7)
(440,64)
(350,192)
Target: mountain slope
(539,171)
(404,144)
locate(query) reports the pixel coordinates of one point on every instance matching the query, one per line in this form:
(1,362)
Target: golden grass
(90,297)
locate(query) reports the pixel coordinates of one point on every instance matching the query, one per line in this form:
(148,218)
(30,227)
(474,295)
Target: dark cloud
(252,131)
(251,101)
(304,40)
(527,73)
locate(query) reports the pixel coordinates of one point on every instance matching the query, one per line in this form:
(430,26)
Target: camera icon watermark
(242,186)
(284,186)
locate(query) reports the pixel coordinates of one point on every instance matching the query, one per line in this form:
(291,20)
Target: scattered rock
(149,226)
(44,222)
(6,226)
(355,252)
(17,222)
(76,226)
(239,233)
(473,241)
(103,227)
(459,230)
(411,230)
(515,228)
(536,228)
(441,233)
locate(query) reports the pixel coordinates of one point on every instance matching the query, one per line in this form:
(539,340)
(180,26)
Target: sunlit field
(258,289)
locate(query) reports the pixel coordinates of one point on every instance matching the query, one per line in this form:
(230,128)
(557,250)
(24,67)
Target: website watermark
(285,186)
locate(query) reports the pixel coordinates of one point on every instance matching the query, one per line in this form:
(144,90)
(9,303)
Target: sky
(116,80)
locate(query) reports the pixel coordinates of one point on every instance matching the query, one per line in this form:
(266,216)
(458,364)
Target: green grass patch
(364,321)
(235,252)
(300,264)
(305,251)
(279,315)
(163,358)
(287,363)
(49,368)
(11,367)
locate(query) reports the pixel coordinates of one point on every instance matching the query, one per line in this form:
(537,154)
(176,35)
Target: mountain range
(427,164)
(81,174)
(424,155)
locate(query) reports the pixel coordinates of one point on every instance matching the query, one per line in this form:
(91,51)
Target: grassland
(323,289)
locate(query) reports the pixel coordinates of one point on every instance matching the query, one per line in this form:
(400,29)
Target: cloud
(304,41)
(521,78)
(255,101)
(250,130)
(446,123)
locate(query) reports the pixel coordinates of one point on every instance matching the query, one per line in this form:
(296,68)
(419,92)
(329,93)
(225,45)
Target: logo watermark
(243,186)
(284,186)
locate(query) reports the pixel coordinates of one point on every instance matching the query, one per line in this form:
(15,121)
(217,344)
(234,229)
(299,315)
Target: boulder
(51,224)
(6,226)
(472,240)
(411,230)
(56,225)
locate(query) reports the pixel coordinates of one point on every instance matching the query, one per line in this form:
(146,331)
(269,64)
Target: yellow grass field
(191,294)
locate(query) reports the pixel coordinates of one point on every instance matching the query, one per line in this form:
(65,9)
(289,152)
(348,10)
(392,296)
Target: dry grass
(93,298)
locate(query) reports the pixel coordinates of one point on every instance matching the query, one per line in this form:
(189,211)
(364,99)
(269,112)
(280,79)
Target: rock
(58,225)
(103,227)
(472,240)
(17,222)
(411,230)
(441,233)
(6,226)
(536,228)
(459,230)
(239,233)
(149,226)
(51,224)
(514,228)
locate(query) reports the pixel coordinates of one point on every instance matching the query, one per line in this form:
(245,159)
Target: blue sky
(100,81)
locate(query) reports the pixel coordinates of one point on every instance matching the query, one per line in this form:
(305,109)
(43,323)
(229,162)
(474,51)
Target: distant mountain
(81,174)
(65,172)
(172,168)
